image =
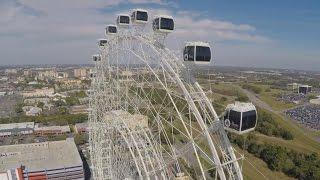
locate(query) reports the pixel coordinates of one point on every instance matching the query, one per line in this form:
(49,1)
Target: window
(103,42)
(203,53)
(248,120)
(234,118)
(142,16)
(124,20)
(188,52)
(112,29)
(167,24)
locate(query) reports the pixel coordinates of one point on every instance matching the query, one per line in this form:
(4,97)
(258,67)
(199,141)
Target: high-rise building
(80,73)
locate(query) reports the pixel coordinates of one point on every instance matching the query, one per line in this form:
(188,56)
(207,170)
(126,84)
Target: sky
(247,33)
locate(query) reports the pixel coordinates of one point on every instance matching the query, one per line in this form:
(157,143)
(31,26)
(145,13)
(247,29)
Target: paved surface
(258,102)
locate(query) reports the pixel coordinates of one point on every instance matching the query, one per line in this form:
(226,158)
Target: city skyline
(251,34)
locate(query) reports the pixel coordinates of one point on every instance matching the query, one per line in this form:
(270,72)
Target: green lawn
(269,96)
(254,168)
(271,99)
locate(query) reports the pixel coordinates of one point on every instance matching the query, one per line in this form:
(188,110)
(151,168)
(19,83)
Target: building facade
(80,73)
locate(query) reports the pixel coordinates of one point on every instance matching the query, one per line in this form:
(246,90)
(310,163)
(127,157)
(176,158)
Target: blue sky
(252,33)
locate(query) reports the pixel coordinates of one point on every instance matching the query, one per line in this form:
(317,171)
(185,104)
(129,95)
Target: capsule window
(235,118)
(249,120)
(124,20)
(189,53)
(167,24)
(96,58)
(141,16)
(111,30)
(103,42)
(203,53)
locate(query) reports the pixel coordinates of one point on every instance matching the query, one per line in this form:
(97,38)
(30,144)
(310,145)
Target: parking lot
(308,115)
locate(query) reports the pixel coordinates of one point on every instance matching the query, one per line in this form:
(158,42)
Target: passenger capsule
(111,29)
(139,16)
(93,74)
(163,24)
(123,20)
(240,117)
(102,42)
(197,52)
(96,57)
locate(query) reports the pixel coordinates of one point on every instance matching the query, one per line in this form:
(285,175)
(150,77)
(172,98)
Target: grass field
(269,96)
(254,168)
(271,99)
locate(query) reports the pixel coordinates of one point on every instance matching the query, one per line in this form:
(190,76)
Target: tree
(18,108)
(40,105)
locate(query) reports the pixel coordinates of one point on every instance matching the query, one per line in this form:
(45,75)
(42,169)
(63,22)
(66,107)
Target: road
(258,102)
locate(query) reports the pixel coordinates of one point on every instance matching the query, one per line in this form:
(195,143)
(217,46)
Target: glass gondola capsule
(163,24)
(102,42)
(197,52)
(93,74)
(96,57)
(111,29)
(240,117)
(123,20)
(139,16)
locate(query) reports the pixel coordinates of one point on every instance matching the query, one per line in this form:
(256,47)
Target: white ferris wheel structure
(149,117)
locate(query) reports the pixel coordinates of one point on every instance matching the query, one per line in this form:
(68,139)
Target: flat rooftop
(24,125)
(52,128)
(39,156)
(131,120)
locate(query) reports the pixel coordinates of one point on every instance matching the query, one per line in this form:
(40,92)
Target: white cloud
(65,31)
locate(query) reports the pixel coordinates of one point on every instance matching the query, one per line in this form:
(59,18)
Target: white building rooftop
(64,129)
(24,125)
(131,120)
(39,156)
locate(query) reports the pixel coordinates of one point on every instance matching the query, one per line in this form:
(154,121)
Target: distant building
(4,78)
(81,109)
(10,71)
(81,128)
(42,75)
(27,72)
(31,110)
(304,89)
(46,160)
(33,83)
(14,129)
(51,130)
(62,75)
(44,92)
(80,73)
(70,84)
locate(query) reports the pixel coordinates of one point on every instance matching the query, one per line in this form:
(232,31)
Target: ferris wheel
(149,117)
